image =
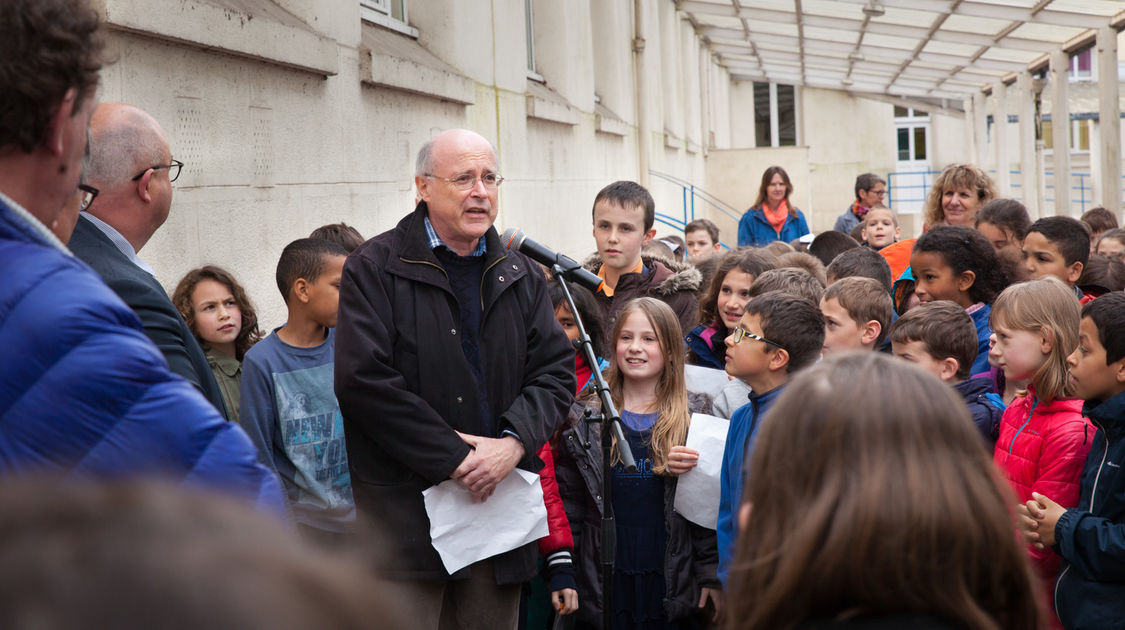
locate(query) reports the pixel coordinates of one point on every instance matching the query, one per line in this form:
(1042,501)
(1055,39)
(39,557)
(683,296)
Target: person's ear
(863,234)
(301,290)
(422,184)
(870,332)
(947,368)
(649,235)
(744,515)
(56,126)
(779,360)
(1119,370)
(1074,272)
(716,247)
(898,232)
(965,280)
(1046,339)
(142,186)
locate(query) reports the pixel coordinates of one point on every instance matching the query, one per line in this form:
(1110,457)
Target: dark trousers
(477,602)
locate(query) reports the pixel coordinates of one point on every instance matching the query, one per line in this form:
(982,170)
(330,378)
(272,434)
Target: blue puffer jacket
(755,230)
(83,392)
(1090,588)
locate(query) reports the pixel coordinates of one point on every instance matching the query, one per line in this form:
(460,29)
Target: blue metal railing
(905,194)
(690,193)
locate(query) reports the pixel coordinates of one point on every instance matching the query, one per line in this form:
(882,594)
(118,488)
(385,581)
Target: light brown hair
(673,417)
(182,299)
(865,300)
(964,176)
(766,177)
(1048,307)
(903,490)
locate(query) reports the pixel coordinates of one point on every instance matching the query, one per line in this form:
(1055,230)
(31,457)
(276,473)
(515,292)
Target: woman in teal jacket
(772,218)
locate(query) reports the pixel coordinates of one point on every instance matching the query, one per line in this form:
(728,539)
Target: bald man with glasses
(131,166)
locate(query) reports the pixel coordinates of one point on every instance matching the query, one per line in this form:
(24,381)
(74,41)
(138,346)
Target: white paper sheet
(464,532)
(697,491)
(705,380)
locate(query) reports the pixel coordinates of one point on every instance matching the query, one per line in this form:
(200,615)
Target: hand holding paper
(697,491)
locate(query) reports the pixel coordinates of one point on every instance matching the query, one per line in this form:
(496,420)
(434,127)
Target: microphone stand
(610,420)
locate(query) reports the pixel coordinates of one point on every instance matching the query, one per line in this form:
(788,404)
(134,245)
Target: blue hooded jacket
(744,423)
(84,393)
(1090,588)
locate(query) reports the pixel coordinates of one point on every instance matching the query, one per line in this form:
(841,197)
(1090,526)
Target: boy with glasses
(779,334)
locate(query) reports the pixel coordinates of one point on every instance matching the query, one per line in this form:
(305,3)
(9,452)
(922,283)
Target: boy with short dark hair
(1098,220)
(857,312)
(289,406)
(778,334)
(863,262)
(623,214)
(702,237)
(341,233)
(940,338)
(1060,247)
(1090,587)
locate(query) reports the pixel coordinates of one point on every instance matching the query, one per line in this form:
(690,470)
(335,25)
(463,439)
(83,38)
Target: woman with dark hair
(876,516)
(772,218)
(724,303)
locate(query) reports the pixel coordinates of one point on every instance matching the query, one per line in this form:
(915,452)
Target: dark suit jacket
(162,322)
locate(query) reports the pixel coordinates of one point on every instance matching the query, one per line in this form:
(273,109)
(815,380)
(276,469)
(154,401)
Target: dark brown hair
(182,298)
(703,225)
(129,554)
(805,262)
(1104,273)
(865,300)
(748,260)
(793,322)
(864,262)
(628,195)
(766,177)
(828,245)
(46,48)
(905,491)
(945,329)
(1069,235)
(340,233)
(1008,215)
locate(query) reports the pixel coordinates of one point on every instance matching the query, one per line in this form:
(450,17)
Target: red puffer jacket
(1042,448)
(557,547)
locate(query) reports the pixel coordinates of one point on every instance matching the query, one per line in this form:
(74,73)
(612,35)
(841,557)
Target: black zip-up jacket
(404,385)
(1090,587)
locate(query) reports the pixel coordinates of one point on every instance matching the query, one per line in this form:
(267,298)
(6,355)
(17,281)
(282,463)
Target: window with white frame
(775,115)
(389,13)
(1080,130)
(1082,66)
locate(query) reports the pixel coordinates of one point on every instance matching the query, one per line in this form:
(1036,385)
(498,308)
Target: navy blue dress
(638,505)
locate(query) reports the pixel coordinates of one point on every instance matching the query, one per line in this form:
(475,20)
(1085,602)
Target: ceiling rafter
(884,46)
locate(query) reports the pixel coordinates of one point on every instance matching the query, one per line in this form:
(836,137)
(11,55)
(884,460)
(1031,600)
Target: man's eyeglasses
(88,194)
(466,181)
(173,170)
(739,333)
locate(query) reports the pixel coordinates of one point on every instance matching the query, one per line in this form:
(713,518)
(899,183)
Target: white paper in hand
(464,532)
(697,491)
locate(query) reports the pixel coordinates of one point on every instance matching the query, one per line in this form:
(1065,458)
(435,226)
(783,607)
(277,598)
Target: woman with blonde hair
(889,515)
(957,194)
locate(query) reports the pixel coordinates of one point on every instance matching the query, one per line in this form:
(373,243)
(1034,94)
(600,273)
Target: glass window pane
(903,144)
(919,143)
(900,112)
(787,116)
(528,24)
(1083,135)
(921,114)
(762,114)
(398,10)
(1046,130)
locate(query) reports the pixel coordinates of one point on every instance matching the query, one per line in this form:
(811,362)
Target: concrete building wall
(292,114)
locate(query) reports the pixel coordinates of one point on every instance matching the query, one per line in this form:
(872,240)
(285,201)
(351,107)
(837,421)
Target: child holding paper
(665,565)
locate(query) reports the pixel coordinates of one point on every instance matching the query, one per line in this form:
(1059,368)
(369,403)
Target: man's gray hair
(424,165)
(119,150)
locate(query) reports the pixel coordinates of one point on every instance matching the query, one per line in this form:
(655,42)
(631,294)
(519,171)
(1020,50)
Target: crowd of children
(1016,333)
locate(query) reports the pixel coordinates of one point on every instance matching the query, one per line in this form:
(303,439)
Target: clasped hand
(489,461)
(1037,519)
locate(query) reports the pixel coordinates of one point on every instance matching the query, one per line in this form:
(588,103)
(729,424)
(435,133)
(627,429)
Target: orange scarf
(776,217)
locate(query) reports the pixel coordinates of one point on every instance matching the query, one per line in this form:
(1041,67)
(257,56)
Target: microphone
(515,240)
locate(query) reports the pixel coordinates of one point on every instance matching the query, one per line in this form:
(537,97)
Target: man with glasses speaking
(449,365)
(132,168)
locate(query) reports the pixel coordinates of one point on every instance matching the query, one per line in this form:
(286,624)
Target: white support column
(1000,139)
(970,127)
(1029,166)
(980,129)
(1060,130)
(1109,121)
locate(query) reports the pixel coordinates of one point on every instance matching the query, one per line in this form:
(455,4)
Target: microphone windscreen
(509,239)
